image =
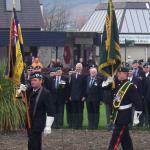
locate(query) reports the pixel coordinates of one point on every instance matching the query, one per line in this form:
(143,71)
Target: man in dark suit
(93,97)
(40,106)
(77,96)
(68,102)
(137,71)
(58,87)
(136,81)
(146,92)
(138,85)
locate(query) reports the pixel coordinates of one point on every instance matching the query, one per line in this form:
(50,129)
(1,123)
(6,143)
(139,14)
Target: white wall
(136,52)
(47,53)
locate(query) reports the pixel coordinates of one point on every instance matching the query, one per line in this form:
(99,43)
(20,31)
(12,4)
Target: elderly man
(77,96)
(93,97)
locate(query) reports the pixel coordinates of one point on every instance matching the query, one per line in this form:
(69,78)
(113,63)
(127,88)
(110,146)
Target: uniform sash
(118,99)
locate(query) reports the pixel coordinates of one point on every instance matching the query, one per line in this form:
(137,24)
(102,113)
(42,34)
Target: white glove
(22,88)
(49,122)
(107,82)
(136,117)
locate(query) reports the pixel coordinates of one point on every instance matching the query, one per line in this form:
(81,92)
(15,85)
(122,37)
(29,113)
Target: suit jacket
(138,84)
(140,74)
(77,87)
(146,88)
(94,92)
(44,107)
(59,94)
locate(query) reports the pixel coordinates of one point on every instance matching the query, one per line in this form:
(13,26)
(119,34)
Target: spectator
(51,64)
(36,63)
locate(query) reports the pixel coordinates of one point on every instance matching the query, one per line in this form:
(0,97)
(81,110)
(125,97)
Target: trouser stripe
(118,139)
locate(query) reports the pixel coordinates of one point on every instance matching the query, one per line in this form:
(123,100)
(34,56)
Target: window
(9,5)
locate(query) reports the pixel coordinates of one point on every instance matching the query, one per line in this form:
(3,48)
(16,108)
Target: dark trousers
(59,116)
(77,114)
(68,111)
(145,116)
(93,114)
(34,140)
(121,135)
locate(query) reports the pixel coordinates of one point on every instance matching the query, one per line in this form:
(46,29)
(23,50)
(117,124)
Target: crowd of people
(76,87)
(126,97)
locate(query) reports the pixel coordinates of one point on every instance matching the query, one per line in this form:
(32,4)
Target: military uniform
(124,114)
(38,109)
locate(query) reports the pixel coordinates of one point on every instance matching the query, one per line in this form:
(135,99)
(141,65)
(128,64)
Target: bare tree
(56,17)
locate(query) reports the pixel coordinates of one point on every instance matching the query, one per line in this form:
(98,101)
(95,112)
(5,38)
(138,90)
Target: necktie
(91,82)
(57,82)
(76,75)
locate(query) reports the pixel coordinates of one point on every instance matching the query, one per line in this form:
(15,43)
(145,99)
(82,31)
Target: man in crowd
(146,92)
(77,96)
(58,87)
(136,81)
(93,97)
(137,71)
(68,102)
(40,111)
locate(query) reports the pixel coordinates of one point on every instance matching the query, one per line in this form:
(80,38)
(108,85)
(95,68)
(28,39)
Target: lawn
(102,122)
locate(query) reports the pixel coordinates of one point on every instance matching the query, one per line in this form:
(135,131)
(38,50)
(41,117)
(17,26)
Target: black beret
(123,69)
(146,64)
(37,67)
(130,68)
(36,75)
(135,61)
(30,67)
(58,68)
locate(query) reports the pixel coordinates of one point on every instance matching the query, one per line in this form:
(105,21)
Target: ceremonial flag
(110,58)
(15,64)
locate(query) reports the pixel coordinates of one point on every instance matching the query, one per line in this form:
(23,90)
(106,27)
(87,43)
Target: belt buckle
(116,101)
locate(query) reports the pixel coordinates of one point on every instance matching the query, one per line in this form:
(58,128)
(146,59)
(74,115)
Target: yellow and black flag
(110,58)
(15,65)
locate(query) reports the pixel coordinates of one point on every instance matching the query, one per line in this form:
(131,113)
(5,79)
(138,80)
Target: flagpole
(24,95)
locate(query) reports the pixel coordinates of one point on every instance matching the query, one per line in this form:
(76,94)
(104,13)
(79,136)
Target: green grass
(102,122)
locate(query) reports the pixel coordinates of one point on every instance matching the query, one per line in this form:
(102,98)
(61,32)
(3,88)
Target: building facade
(133,20)
(67,46)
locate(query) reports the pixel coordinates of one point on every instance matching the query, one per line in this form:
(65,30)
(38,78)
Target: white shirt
(147,74)
(130,78)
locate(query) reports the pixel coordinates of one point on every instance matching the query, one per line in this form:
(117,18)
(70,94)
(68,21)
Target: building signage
(138,39)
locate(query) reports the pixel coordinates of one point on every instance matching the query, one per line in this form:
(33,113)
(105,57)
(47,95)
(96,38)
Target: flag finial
(14,3)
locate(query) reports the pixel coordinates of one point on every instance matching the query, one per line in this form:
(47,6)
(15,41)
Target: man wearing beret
(125,96)
(40,111)
(137,71)
(58,87)
(146,92)
(136,81)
